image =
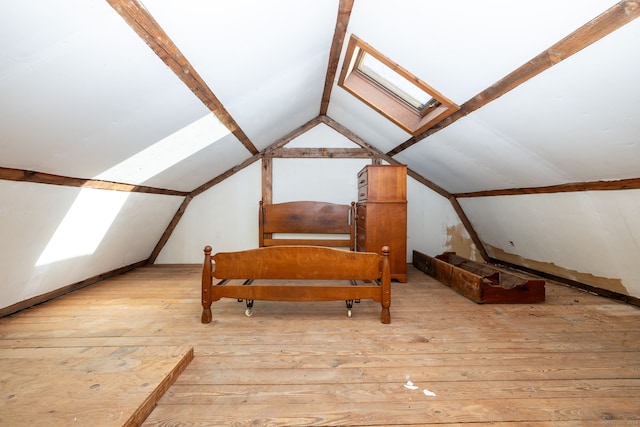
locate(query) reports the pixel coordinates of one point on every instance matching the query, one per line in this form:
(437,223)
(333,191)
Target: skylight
(391,90)
(392,81)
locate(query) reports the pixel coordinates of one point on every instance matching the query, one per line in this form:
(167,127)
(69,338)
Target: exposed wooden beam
(292,135)
(441,191)
(622,184)
(609,21)
(276,145)
(375,153)
(320,153)
(467,224)
(267,182)
(429,184)
(141,21)
(9,174)
(169,230)
(344,14)
(237,168)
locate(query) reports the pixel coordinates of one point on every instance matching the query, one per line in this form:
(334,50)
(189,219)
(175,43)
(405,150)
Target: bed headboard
(306,218)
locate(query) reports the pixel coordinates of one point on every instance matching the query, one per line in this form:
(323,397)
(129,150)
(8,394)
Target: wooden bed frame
(297,263)
(306,218)
(284,256)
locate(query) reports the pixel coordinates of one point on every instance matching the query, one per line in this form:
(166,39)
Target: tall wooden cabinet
(381,214)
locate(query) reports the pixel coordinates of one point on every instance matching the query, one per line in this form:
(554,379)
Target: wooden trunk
(481,283)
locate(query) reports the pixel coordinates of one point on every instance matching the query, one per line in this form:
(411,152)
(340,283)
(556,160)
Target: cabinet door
(384,224)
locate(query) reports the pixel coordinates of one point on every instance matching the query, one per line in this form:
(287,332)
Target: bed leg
(385,316)
(207,282)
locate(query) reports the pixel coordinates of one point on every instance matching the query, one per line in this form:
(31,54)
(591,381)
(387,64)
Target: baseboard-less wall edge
(28,303)
(575,284)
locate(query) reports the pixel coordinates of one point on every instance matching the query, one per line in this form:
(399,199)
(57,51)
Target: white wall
(591,237)
(53,236)
(433,225)
(226,216)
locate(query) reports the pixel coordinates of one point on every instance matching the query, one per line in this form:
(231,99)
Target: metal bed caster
(349,306)
(249,311)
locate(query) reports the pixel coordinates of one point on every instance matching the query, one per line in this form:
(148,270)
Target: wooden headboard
(306,218)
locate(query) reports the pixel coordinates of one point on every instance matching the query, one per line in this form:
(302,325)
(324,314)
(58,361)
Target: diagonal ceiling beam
(454,202)
(344,14)
(207,185)
(138,18)
(24,175)
(571,187)
(609,21)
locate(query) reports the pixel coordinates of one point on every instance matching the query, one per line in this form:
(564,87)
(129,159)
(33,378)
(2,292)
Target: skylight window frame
(388,85)
(384,100)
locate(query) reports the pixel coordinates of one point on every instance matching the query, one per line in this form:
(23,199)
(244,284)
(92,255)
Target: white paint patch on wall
(33,212)
(595,232)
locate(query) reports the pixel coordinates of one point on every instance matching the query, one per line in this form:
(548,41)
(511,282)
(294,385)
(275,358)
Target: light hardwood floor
(98,355)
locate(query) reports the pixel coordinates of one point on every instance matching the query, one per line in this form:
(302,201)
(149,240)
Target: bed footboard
(297,263)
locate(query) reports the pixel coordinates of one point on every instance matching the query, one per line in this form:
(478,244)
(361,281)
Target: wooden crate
(481,283)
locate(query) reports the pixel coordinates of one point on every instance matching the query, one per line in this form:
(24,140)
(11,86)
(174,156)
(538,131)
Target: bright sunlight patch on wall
(167,152)
(94,211)
(84,226)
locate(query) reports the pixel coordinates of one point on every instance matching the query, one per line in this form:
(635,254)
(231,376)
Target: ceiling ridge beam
(9,174)
(319,153)
(571,187)
(615,17)
(342,22)
(141,21)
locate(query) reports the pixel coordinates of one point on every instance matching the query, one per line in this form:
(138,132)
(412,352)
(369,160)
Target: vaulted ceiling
(83,91)
(173,97)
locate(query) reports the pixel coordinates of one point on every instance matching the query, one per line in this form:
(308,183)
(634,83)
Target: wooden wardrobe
(381,214)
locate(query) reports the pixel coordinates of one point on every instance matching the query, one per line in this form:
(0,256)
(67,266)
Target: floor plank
(573,360)
(99,386)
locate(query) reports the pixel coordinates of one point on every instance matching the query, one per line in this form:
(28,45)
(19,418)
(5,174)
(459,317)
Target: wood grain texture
(573,360)
(612,185)
(10,174)
(98,386)
(141,21)
(342,22)
(320,274)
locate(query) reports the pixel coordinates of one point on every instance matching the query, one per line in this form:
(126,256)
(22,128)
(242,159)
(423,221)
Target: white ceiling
(81,92)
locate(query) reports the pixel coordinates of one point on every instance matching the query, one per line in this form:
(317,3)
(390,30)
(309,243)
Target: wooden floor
(94,357)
